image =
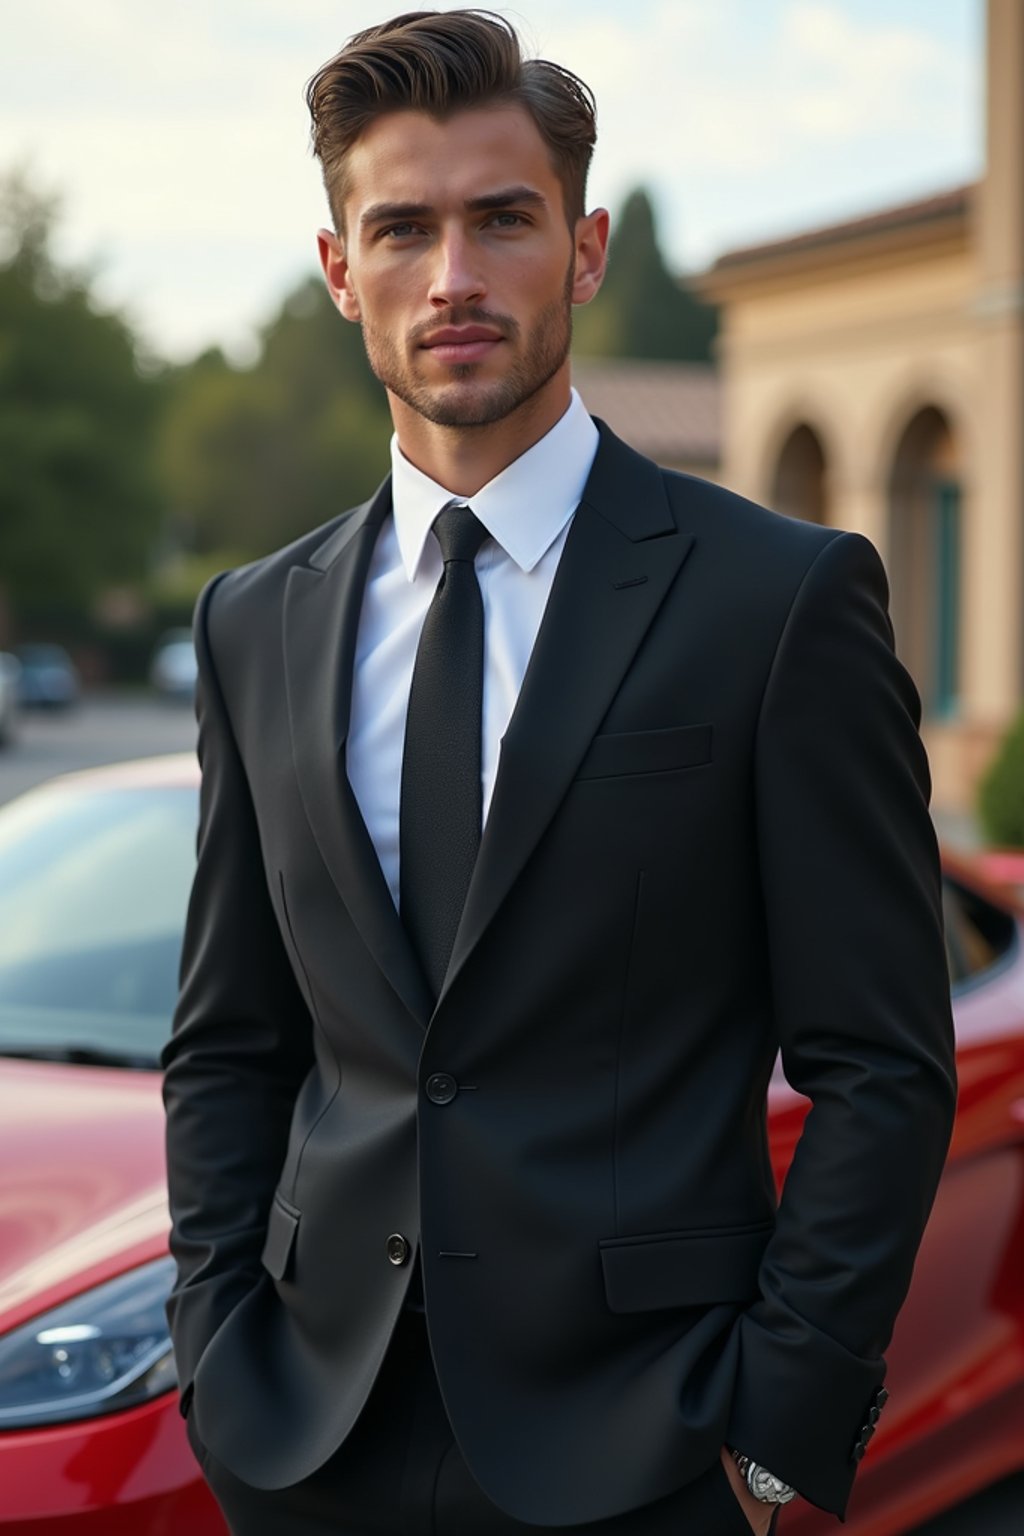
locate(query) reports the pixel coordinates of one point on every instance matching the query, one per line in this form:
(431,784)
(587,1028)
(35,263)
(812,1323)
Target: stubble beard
(459,404)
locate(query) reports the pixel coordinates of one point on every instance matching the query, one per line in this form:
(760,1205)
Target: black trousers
(400,1473)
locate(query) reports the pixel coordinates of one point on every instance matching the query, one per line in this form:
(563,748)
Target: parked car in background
(48,677)
(173,670)
(1004,868)
(9,670)
(95,871)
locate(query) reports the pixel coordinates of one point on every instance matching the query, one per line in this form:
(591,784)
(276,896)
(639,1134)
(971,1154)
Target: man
(469,1177)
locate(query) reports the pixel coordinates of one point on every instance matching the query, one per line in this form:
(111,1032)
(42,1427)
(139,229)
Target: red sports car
(95,870)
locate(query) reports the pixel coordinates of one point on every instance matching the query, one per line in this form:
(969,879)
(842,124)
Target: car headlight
(102,1351)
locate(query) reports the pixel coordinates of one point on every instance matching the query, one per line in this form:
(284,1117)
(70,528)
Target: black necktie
(442,799)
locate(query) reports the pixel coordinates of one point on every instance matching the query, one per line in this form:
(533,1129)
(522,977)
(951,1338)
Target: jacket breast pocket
(633,752)
(684,1269)
(282,1229)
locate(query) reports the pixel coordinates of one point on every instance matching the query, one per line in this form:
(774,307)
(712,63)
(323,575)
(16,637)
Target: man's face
(459,263)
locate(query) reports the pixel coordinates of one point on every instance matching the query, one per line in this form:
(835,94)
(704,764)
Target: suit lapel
(621,556)
(321,622)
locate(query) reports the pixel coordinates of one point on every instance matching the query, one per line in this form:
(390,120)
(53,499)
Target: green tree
(1001,791)
(78,498)
(641,309)
(253,457)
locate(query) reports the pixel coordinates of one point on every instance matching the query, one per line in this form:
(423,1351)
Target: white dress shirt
(527,510)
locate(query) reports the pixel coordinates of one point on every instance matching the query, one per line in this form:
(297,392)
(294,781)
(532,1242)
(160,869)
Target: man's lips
(462,344)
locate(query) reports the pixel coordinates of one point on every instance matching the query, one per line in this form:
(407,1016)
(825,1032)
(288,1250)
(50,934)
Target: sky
(175,132)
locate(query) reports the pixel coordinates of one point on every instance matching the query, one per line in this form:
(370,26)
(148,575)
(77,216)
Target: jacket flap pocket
(683,1269)
(625,752)
(282,1225)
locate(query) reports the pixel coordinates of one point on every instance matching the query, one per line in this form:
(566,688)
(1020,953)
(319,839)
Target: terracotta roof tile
(670,411)
(951,204)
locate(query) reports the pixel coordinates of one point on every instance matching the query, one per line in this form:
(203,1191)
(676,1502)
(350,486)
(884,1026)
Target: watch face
(769,1489)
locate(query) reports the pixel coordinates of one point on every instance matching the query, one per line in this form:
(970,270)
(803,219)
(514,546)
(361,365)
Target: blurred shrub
(171,594)
(1001,791)
(253,457)
(79,505)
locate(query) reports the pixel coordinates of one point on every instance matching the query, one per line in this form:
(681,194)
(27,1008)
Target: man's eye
(398,231)
(507,220)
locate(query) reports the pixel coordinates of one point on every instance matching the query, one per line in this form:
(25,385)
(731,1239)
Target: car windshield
(93,889)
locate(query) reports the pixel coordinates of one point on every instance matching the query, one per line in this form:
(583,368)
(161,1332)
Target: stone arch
(799,484)
(799,451)
(924,488)
(896,408)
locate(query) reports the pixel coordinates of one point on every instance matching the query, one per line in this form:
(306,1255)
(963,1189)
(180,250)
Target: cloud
(178,132)
(750,119)
(850,76)
(695,94)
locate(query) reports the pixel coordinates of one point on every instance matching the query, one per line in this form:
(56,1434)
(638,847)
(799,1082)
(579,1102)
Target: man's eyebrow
(506,196)
(381,211)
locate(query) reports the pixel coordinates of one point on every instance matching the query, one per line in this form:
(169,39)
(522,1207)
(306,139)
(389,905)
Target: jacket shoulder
(762,560)
(713,510)
(262,575)
(247,594)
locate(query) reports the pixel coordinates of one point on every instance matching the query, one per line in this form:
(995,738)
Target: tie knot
(459,533)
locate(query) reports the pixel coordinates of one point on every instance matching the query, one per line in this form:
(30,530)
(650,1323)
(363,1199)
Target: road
(103,729)
(107,729)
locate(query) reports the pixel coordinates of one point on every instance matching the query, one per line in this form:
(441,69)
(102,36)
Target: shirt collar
(524,508)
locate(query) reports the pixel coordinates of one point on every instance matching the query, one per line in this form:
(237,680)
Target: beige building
(872,377)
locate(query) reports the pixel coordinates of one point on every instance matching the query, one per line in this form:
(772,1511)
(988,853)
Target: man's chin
(463,401)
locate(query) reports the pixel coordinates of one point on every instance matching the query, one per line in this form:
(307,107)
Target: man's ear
(337,274)
(591,237)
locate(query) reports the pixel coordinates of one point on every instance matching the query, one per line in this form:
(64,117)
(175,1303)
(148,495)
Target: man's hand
(758,1514)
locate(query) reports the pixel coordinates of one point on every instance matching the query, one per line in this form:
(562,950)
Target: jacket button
(441,1088)
(398,1249)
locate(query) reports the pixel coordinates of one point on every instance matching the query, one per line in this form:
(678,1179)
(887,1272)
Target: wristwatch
(764,1485)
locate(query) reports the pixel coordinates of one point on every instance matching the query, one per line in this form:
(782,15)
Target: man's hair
(442,62)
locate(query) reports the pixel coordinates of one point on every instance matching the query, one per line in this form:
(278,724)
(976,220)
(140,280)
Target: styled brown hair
(441,62)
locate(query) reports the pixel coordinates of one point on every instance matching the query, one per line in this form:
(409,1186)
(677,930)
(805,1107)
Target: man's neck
(462,459)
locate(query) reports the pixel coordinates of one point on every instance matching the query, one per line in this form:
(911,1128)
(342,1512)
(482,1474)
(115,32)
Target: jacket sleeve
(241,1044)
(860,987)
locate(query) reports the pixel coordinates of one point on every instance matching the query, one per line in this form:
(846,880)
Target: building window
(924,559)
(946,616)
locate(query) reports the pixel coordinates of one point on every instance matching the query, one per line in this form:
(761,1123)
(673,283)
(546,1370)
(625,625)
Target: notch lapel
(621,556)
(321,621)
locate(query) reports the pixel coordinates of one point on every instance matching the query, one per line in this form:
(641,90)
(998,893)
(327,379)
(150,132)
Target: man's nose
(457,276)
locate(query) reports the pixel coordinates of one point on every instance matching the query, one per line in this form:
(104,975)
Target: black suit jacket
(709,841)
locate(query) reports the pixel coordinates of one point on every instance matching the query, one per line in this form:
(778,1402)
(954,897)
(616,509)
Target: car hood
(83,1192)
